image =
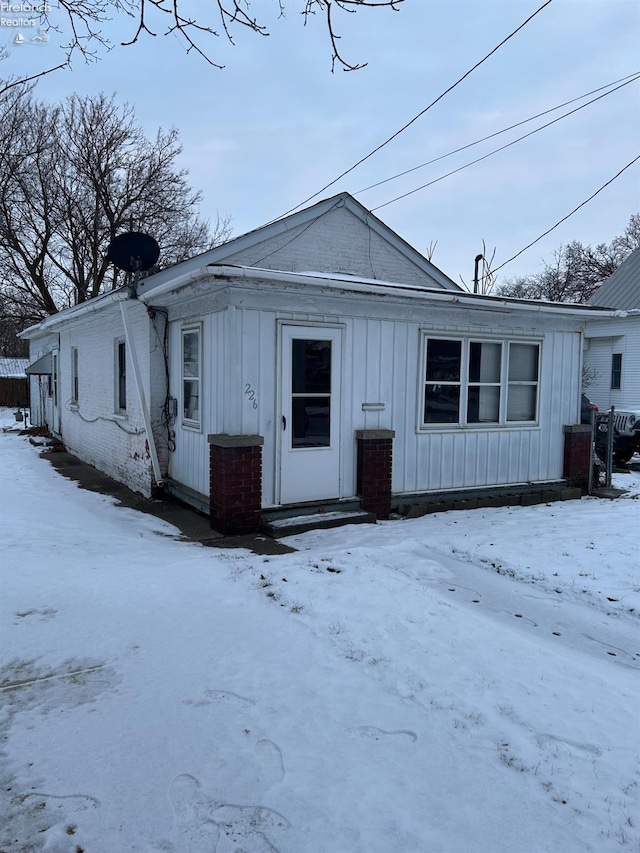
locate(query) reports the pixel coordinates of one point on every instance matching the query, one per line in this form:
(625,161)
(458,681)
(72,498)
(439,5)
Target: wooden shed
(14,386)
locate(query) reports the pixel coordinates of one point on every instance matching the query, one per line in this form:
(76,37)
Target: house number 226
(251,394)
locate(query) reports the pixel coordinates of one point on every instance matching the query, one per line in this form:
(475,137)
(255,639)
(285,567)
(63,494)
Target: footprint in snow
(233,699)
(194,831)
(199,820)
(62,802)
(374,733)
(269,757)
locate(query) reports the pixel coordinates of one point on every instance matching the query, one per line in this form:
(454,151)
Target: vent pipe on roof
(475,272)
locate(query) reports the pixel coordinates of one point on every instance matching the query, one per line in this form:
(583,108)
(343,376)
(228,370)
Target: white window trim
(187,423)
(466,340)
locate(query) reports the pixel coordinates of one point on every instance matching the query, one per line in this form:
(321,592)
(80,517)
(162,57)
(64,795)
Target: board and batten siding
(602,340)
(381,364)
(439,459)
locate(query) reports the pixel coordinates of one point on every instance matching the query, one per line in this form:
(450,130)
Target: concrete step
(294,524)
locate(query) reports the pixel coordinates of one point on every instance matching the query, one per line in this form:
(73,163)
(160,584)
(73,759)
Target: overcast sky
(276,125)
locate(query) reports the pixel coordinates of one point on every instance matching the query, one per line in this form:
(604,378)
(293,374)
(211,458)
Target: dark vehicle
(626,432)
(586,407)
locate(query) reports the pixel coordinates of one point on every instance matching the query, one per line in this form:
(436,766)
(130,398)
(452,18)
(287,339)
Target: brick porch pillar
(235,496)
(577,455)
(373,477)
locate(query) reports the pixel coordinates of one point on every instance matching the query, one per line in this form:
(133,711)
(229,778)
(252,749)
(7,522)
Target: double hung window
(616,371)
(121,376)
(191,376)
(74,375)
(471,382)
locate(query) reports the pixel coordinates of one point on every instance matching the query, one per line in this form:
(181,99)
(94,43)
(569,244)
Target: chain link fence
(602,432)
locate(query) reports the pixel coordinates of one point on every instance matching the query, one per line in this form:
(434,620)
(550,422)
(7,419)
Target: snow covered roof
(13,368)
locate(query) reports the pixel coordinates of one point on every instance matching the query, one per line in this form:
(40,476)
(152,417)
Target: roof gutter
(476,301)
(73,313)
(149,294)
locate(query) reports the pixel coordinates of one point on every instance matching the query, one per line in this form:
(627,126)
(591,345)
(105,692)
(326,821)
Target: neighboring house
(612,346)
(316,360)
(14,386)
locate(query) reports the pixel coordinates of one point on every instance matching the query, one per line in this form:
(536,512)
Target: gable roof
(226,262)
(294,226)
(622,289)
(13,368)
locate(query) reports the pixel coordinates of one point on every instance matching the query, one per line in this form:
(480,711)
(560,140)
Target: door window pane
(311,367)
(311,421)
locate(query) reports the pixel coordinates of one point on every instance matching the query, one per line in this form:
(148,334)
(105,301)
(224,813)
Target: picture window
(471,382)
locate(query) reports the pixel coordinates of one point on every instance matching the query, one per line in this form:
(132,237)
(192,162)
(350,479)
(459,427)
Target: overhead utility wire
(564,218)
(502,147)
(422,112)
(497,133)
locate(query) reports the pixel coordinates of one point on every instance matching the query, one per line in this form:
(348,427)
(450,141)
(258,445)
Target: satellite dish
(133,251)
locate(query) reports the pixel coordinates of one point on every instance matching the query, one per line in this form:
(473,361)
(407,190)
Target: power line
(497,133)
(507,145)
(422,112)
(564,218)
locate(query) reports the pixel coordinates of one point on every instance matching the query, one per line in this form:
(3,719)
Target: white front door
(310,413)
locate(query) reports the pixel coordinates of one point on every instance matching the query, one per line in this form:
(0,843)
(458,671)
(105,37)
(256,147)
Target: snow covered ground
(459,683)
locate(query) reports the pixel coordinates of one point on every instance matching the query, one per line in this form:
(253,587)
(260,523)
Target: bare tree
(575,271)
(77,175)
(85,21)
(589,374)
(486,277)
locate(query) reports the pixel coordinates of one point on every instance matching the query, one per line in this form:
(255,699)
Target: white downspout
(141,395)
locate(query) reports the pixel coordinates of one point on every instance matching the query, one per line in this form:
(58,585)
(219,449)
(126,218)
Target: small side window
(74,375)
(191,377)
(121,376)
(616,371)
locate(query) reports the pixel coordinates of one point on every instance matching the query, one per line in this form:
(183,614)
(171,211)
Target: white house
(612,346)
(315,361)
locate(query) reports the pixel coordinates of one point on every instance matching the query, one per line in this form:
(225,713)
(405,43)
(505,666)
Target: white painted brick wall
(115,443)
